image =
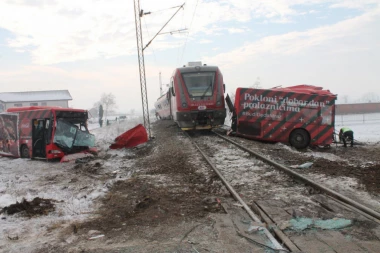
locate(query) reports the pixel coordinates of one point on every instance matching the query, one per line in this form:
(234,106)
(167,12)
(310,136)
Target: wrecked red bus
(301,115)
(44,132)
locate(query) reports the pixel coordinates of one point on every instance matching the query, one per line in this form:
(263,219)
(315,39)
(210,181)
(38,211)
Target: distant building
(35,98)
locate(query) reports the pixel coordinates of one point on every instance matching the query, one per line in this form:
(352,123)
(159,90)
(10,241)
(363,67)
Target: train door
(172,98)
(40,137)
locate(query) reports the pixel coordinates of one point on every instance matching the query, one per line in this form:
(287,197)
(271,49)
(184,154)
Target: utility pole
(140,50)
(160,85)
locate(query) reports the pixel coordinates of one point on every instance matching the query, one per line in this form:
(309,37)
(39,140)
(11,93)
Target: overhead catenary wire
(187,37)
(179,47)
(163,26)
(153,12)
(154,54)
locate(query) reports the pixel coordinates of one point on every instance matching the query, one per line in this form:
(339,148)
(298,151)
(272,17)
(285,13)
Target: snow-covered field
(72,190)
(75,192)
(366,127)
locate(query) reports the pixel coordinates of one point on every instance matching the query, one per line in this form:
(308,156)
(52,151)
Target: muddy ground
(174,202)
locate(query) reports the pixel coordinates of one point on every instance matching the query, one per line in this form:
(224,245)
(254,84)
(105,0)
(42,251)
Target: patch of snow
(348,187)
(72,190)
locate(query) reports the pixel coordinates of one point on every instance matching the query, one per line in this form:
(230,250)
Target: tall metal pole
(160,85)
(140,49)
(140,46)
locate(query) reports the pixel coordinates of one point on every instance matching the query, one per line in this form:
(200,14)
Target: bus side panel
(272,115)
(9,145)
(260,113)
(25,126)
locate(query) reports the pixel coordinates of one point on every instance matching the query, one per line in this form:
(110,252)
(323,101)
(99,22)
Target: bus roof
(34,108)
(306,89)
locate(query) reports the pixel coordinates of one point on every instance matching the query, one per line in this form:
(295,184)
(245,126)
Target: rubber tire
(299,139)
(24,152)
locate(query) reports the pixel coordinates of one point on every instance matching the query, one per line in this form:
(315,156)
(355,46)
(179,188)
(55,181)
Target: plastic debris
(302,166)
(81,157)
(300,224)
(131,138)
(96,237)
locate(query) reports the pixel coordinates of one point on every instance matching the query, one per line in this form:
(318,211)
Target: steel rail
(330,192)
(276,244)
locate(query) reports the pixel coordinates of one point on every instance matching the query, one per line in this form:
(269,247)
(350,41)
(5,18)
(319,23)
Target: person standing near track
(346,134)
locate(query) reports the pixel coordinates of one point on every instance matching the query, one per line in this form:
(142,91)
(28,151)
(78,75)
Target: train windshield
(199,84)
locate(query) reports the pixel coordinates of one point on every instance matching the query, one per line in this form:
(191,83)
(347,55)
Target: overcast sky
(89,46)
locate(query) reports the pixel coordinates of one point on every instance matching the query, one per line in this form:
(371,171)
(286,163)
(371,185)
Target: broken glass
(68,135)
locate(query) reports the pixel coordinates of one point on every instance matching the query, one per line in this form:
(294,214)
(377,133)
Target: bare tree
(345,98)
(257,84)
(370,97)
(109,103)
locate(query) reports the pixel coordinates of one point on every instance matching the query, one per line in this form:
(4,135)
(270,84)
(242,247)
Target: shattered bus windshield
(199,84)
(68,135)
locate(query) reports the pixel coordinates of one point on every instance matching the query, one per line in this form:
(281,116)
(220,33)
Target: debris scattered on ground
(82,157)
(36,207)
(146,202)
(131,138)
(299,224)
(96,237)
(302,166)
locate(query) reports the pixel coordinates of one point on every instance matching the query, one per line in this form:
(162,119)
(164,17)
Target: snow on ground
(75,193)
(366,127)
(348,187)
(72,191)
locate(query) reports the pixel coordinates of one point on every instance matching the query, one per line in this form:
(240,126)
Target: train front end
(199,97)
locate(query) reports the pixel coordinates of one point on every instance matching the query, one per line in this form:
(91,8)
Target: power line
(191,23)
(153,12)
(154,54)
(179,48)
(180,7)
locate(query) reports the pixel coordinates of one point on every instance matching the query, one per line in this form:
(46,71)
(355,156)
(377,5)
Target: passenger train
(195,99)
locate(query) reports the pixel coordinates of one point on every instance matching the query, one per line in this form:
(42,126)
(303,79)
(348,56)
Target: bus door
(40,129)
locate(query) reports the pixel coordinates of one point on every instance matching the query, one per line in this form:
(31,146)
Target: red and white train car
(163,107)
(195,97)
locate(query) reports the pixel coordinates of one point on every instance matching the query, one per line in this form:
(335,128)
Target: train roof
(203,68)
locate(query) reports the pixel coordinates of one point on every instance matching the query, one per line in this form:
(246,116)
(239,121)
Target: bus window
(326,114)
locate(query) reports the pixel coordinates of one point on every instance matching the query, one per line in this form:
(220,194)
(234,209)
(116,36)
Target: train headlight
(218,103)
(184,105)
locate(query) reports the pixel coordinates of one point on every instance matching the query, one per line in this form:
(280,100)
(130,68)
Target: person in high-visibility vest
(346,134)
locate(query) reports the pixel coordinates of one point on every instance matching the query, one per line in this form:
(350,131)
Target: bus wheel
(299,139)
(24,151)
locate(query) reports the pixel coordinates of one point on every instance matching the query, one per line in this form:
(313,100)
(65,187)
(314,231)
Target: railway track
(295,213)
